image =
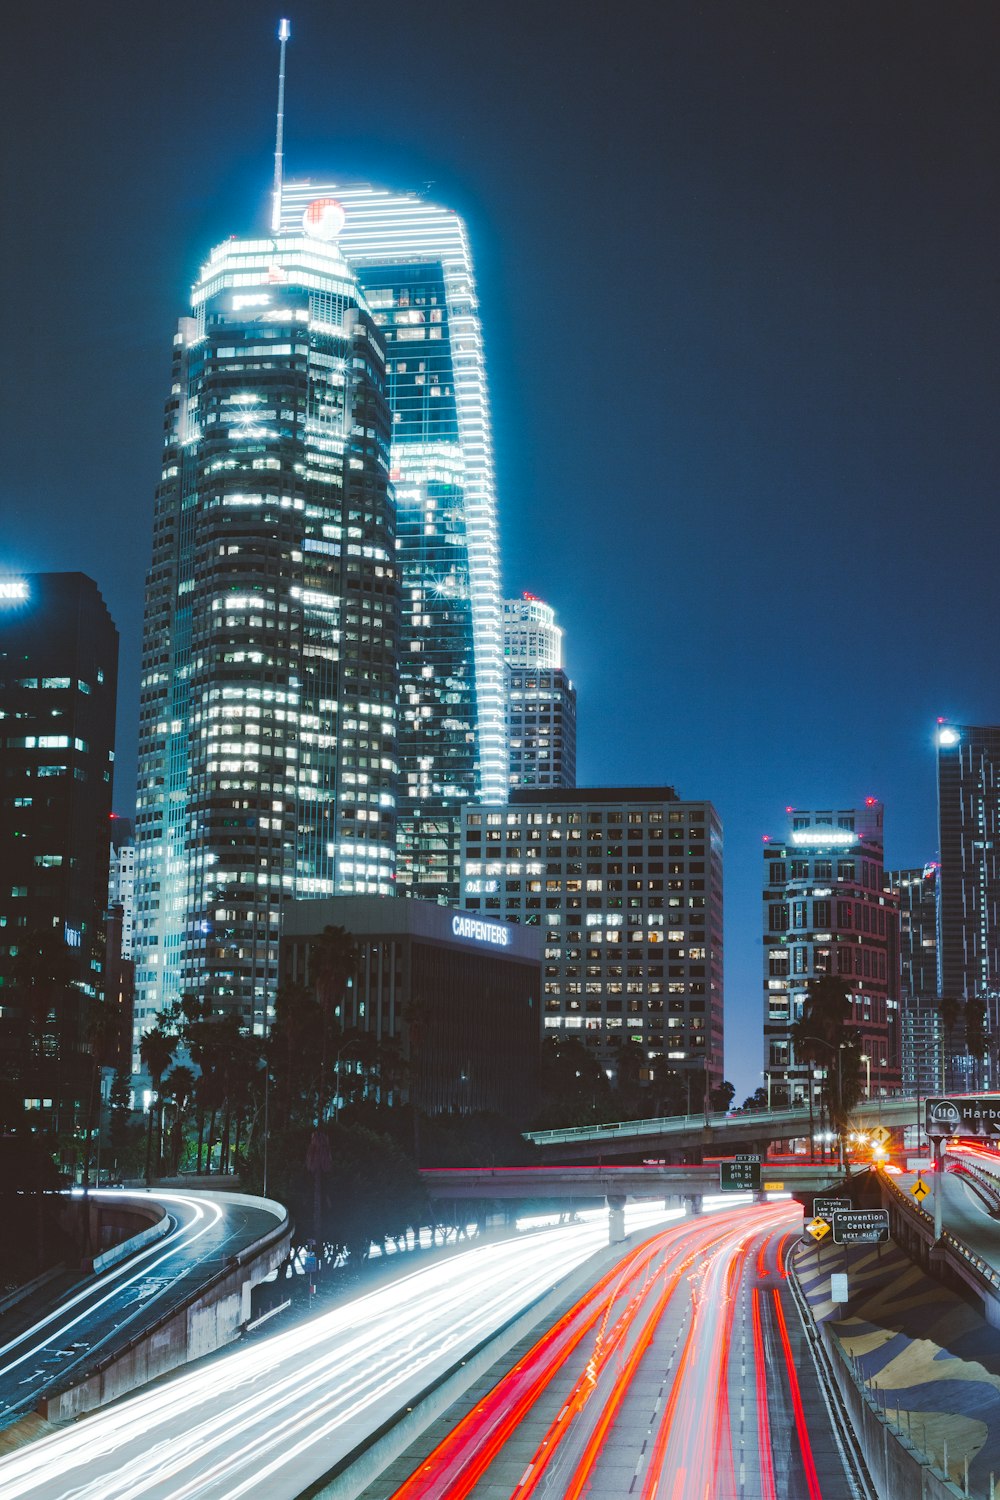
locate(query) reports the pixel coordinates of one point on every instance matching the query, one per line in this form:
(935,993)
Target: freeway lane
(684,1376)
(59,1345)
(268,1419)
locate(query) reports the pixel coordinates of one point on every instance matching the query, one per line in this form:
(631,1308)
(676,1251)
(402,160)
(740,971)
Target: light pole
(868,1074)
(836,1048)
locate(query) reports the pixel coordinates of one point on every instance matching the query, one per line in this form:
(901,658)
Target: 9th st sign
(963,1114)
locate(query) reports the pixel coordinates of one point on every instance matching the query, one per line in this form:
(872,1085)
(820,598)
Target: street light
(868,1074)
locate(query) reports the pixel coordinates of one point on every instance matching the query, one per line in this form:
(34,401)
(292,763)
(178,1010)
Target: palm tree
(333,959)
(821,1036)
(976,1036)
(157,1052)
(950,1010)
(180,1087)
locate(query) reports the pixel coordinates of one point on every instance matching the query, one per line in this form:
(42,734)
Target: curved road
(45,1348)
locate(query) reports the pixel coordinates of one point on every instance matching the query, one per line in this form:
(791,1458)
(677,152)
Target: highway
(46,1348)
(682,1375)
(268,1419)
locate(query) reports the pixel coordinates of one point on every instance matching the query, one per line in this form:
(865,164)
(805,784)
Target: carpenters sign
(963,1114)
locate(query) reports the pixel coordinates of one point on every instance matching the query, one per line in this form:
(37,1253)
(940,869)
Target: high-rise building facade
(626,885)
(826,912)
(541,699)
(58,685)
(267,754)
(123,1053)
(531,637)
(413,263)
(121,879)
(968,900)
(922,1039)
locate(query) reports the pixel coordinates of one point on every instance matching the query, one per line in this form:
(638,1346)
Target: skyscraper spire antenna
(284,31)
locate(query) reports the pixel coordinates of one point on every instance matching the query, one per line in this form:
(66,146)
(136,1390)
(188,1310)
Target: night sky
(739,284)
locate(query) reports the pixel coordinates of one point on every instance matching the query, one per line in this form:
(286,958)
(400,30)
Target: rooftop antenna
(284,31)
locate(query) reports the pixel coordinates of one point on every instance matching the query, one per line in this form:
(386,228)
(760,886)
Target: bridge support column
(616,1220)
(696,1202)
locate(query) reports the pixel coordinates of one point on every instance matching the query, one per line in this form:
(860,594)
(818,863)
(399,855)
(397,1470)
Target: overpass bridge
(689,1138)
(451,1184)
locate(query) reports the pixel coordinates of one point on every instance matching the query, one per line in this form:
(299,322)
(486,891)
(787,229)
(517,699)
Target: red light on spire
(789,809)
(765,838)
(870,801)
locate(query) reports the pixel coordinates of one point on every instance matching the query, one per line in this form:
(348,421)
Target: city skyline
(814,317)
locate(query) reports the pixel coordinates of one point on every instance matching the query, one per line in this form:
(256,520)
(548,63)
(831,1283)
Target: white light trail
(268,1419)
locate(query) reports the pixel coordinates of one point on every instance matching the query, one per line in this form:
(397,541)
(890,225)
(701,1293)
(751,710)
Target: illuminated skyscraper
(58,682)
(922,1034)
(968,906)
(626,883)
(267,756)
(412,260)
(541,700)
(826,912)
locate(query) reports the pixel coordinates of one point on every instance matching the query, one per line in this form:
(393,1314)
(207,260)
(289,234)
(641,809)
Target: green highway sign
(741,1175)
(861,1226)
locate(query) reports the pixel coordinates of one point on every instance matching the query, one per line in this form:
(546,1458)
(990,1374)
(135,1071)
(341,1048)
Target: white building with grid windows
(626,885)
(541,699)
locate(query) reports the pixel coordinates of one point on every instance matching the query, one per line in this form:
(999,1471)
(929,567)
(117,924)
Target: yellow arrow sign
(818,1229)
(773,1187)
(880,1136)
(920,1189)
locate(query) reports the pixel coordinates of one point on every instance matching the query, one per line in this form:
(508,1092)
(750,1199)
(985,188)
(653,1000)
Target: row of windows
(575,819)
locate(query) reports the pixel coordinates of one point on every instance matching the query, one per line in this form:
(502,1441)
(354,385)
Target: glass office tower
(267,756)
(58,687)
(968,887)
(412,260)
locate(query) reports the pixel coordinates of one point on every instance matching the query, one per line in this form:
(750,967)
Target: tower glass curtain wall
(267,755)
(412,260)
(58,685)
(826,913)
(968,904)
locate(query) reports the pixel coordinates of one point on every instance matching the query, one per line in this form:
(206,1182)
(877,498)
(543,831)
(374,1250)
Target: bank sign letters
(963,1114)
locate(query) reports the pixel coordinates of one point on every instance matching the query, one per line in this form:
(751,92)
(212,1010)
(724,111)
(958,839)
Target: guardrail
(982,1268)
(718,1120)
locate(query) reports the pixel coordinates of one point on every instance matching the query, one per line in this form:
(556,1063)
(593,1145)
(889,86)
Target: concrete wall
(213,1318)
(898,1469)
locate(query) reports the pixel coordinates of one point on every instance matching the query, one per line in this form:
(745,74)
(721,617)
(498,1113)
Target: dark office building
(968,925)
(922,1039)
(458,994)
(58,680)
(827,912)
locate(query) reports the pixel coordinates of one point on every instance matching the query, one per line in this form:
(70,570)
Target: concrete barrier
(118,1252)
(211,1317)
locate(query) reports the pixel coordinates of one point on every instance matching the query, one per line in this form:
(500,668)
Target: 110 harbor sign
(963,1114)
